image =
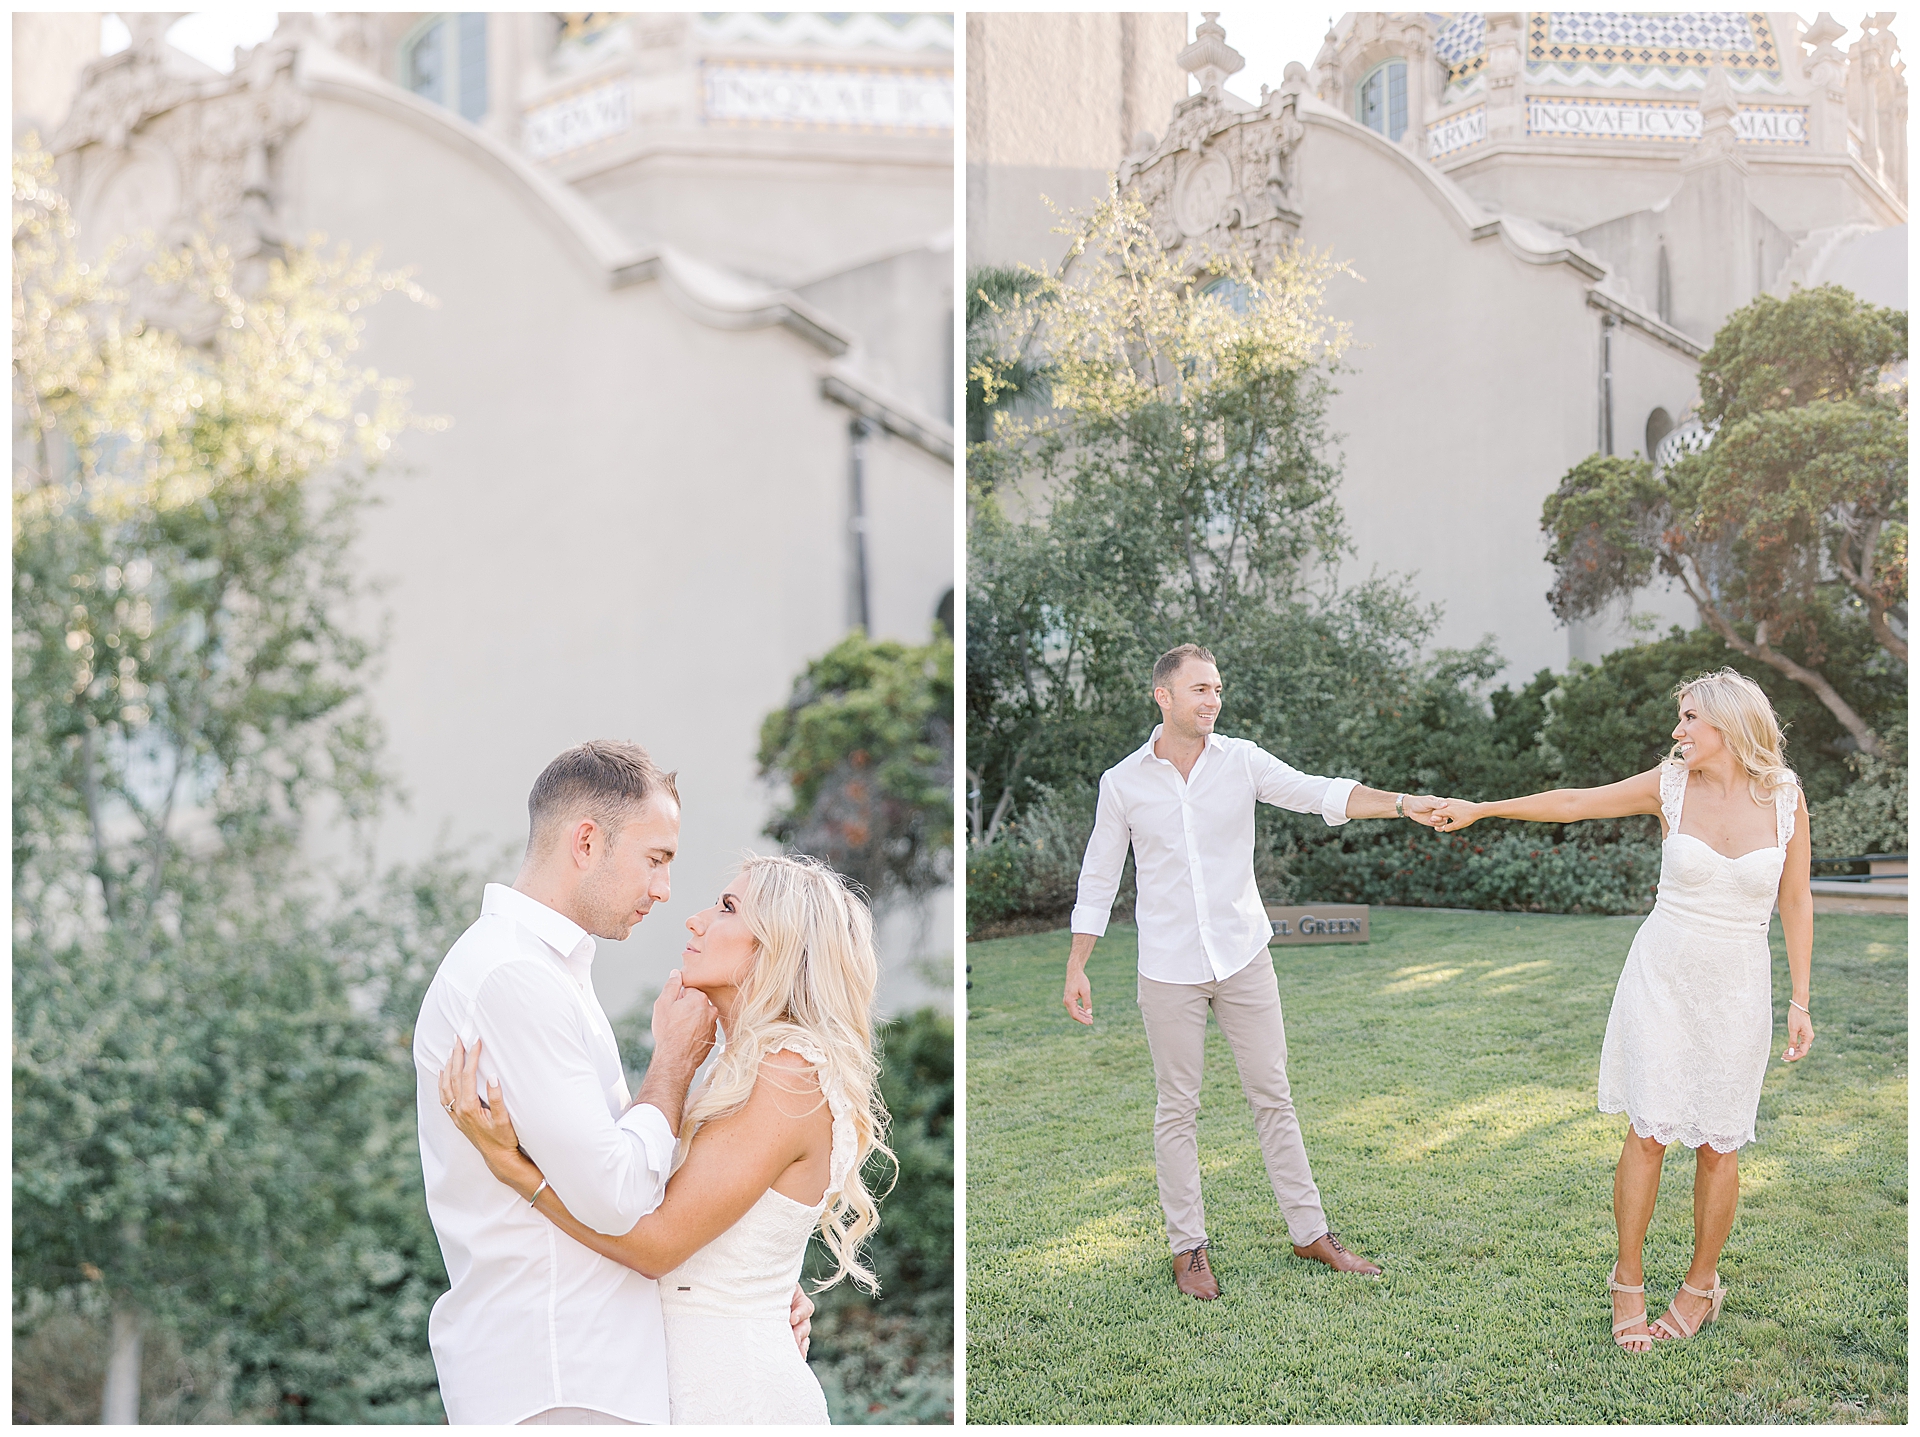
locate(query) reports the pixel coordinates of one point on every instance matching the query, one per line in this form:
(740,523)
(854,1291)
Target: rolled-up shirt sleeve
(1286,787)
(610,1173)
(1105,859)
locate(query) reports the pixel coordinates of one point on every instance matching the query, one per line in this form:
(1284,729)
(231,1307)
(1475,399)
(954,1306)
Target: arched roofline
(699,291)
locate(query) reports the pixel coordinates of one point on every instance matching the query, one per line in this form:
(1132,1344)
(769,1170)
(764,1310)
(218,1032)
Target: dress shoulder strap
(846,1137)
(1673,792)
(1786,804)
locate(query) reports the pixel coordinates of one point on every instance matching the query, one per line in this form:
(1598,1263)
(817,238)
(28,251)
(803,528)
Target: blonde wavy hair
(812,978)
(1738,707)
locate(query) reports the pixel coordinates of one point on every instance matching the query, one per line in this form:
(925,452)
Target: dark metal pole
(1606,384)
(859,430)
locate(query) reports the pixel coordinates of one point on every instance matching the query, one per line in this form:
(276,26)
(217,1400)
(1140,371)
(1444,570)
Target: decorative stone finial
(1718,109)
(1821,34)
(1825,29)
(1210,59)
(147,32)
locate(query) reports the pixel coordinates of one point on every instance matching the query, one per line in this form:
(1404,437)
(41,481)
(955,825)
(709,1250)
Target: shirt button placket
(1199,879)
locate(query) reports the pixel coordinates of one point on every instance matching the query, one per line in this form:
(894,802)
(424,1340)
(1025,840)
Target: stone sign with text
(1318,923)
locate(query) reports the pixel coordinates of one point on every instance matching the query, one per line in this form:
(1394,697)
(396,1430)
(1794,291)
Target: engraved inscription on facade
(827,97)
(1649,120)
(580,119)
(1456,132)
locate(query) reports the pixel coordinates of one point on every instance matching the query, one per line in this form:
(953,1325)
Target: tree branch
(1758,648)
(1859,579)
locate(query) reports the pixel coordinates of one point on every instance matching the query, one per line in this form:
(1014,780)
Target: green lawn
(1444,1075)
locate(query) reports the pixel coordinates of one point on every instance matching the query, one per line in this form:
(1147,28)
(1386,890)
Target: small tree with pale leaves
(207,1129)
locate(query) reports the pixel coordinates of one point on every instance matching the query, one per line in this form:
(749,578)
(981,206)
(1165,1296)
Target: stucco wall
(49,51)
(1053,102)
(636,525)
(1474,388)
(781,218)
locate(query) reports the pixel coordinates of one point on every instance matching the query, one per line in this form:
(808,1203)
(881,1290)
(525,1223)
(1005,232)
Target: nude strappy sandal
(1673,1325)
(1615,1285)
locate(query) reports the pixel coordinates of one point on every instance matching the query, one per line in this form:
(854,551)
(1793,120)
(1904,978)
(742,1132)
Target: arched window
(1230,292)
(445,61)
(1380,101)
(1659,426)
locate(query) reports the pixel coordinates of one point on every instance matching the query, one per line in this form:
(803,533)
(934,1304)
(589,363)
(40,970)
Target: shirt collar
(1147,755)
(572,943)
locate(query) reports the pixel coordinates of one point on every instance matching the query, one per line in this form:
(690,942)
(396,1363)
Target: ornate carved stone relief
(157,151)
(149,149)
(1222,177)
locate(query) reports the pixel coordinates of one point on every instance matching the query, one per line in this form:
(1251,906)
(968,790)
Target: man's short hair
(1168,664)
(603,779)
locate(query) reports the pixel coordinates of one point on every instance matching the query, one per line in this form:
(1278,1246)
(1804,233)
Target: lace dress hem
(1688,1135)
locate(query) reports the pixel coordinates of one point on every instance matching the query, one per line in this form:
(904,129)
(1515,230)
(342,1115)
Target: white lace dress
(1692,1023)
(730,1351)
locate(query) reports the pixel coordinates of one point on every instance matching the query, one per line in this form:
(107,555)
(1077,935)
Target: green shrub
(1424,728)
(1032,868)
(1615,718)
(1869,817)
(890,1358)
(1530,868)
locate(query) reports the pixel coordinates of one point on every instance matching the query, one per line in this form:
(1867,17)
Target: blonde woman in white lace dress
(770,1150)
(1691,1030)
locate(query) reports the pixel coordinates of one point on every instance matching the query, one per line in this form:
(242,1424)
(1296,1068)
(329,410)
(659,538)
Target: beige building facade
(1548,216)
(692,319)
(1053,101)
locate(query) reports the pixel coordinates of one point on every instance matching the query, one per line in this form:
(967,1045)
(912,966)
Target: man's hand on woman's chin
(684,1024)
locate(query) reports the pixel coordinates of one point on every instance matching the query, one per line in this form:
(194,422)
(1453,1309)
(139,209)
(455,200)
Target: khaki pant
(1247,1008)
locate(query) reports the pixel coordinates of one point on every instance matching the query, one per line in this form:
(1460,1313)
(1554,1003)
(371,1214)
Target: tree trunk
(1859,576)
(1883,631)
(120,1396)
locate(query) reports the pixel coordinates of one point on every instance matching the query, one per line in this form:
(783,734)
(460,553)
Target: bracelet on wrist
(535,1199)
(1792,1003)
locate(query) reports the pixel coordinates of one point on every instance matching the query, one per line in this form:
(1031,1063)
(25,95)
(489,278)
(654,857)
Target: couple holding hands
(1687,1042)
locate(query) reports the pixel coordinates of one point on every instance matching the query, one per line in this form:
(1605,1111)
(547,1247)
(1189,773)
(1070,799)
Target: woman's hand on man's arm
(485,1122)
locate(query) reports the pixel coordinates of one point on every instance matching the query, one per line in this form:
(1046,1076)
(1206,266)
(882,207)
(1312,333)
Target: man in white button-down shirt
(1184,803)
(536,1327)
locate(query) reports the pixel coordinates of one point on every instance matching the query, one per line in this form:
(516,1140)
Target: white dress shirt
(534,1320)
(1199,910)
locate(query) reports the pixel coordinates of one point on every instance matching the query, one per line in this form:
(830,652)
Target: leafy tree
(1796,507)
(1178,490)
(1000,321)
(210,1123)
(866,745)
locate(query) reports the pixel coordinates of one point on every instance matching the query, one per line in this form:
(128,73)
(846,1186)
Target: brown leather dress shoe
(1328,1248)
(1193,1276)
